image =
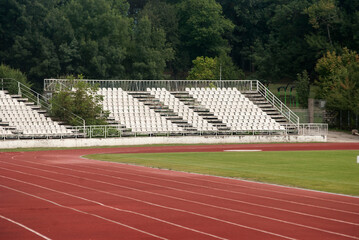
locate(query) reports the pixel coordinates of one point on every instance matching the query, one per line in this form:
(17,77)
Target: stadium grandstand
(155,108)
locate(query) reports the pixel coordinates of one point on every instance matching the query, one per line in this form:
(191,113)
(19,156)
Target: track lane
(247,217)
(202,196)
(183,182)
(58,221)
(140,204)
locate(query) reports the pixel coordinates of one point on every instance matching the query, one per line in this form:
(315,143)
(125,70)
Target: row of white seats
(225,108)
(181,109)
(228,104)
(24,119)
(122,101)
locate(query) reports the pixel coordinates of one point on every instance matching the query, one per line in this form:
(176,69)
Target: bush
(303,88)
(11,74)
(81,100)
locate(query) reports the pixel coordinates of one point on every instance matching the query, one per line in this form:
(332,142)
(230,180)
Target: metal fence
(112,131)
(51,85)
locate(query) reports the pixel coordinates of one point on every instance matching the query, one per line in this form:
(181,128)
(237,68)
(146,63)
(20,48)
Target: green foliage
(226,68)
(339,80)
(303,88)
(323,14)
(202,28)
(281,52)
(163,16)
(10,73)
(149,51)
(96,39)
(206,68)
(143,39)
(83,101)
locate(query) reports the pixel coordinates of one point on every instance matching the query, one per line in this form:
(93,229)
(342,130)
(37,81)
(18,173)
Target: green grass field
(330,171)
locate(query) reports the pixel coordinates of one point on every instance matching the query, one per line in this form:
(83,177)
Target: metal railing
(115,131)
(51,85)
(18,88)
(275,102)
(309,129)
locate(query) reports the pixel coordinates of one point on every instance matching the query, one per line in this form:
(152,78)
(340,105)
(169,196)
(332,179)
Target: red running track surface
(59,195)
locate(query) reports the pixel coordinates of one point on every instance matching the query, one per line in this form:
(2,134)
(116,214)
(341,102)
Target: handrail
(142,85)
(181,85)
(278,104)
(114,131)
(34,96)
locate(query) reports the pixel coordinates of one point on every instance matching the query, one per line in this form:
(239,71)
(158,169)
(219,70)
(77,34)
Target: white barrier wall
(95,142)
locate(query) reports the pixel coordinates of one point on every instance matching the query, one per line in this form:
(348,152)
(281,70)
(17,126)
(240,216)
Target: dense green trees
(339,80)
(150,39)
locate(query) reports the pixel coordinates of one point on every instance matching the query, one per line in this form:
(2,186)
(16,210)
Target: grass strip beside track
(330,171)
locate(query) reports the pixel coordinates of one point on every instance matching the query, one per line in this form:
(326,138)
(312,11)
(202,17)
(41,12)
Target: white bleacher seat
(25,119)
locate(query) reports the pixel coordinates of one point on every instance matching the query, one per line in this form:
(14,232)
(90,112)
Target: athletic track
(59,195)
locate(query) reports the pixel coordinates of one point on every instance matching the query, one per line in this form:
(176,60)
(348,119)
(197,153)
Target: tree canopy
(156,39)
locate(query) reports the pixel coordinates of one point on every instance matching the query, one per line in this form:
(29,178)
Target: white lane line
(243,150)
(145,202)
(124,166)
(230,199)
(23,226)
(77,210)
(247,194)
(122,210)
(218,189)
(181,199)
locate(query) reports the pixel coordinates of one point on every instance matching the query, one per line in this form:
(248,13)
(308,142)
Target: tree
(303,88)
(9,73)
(83,101)
(149,51)
(226,70)
(202,29)
(323,13)
(283,52)
(163,16)
(338,80)
(25,45)
(206,68)
(97,42)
